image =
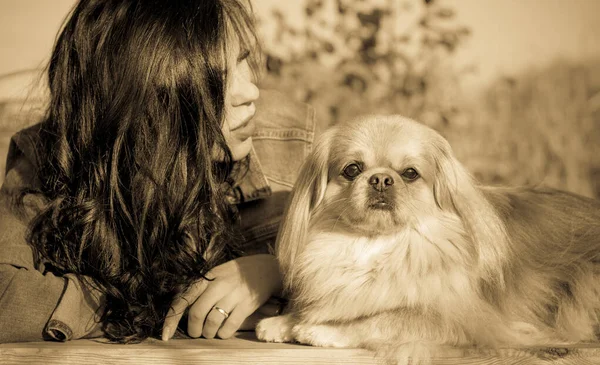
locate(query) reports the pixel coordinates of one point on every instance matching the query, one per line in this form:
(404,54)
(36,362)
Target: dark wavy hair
(136,200)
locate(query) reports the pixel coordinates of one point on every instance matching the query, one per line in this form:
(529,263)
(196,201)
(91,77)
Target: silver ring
(222,311)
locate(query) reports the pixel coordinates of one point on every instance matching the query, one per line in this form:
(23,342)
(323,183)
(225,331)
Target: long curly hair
(135,197)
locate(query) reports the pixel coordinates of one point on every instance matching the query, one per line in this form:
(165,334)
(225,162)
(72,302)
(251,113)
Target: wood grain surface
(245,349)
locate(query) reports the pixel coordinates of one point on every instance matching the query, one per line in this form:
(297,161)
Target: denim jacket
(36,305)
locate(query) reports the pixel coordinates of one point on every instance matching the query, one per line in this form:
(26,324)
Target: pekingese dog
(389,244)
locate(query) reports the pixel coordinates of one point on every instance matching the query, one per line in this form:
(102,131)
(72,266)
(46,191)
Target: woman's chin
(241,149)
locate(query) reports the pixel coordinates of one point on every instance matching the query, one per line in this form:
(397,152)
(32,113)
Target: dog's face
(391,176)
(380,175)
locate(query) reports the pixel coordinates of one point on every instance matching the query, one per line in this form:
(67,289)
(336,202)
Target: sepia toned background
(513,84)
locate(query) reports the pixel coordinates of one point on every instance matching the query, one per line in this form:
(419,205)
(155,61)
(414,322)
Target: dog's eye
(351,171)
(410,174)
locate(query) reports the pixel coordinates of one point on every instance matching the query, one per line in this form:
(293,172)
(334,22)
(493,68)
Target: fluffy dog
(389,244)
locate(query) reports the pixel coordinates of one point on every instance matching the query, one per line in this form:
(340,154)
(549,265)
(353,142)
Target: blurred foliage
(354,57)
(539,127)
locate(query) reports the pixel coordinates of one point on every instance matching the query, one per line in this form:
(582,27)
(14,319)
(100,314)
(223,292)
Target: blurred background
(513,84)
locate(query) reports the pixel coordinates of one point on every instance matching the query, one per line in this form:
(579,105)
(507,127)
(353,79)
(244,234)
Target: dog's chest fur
(362,276)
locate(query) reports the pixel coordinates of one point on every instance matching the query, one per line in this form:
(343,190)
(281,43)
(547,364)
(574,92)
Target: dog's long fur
(447,262)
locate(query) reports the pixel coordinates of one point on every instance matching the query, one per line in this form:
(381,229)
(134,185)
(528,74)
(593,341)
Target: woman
(131,203)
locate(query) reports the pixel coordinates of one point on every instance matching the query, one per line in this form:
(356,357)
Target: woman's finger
(232,324)
(269,309)
(198,315)
(178,307)
(272,307)
(218,315)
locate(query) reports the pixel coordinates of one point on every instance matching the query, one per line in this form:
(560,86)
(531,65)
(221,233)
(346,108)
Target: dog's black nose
(381,182)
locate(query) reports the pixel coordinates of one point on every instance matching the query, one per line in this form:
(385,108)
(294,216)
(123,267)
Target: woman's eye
(410,174)
(351,171)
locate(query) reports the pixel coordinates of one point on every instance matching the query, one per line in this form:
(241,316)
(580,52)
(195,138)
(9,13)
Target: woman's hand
(239,287)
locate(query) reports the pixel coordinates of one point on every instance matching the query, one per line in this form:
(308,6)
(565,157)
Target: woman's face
(239,104)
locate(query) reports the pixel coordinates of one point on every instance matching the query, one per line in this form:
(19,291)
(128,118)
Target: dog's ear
(456,191)
(306,195)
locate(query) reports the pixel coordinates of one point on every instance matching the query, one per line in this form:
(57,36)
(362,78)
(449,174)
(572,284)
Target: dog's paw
(275,329)
(321,335)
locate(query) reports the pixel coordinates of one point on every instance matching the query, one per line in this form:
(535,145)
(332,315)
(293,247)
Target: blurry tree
(351,57)
(543,127)
(354,57)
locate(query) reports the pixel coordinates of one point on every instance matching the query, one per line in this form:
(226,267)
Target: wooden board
(245,349)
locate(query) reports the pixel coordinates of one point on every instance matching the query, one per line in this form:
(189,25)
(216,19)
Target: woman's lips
(246,129)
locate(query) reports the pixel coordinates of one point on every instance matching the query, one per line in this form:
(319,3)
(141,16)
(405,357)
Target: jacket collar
(249,181)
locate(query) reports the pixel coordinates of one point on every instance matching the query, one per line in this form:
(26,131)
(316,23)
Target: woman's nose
(244,91)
